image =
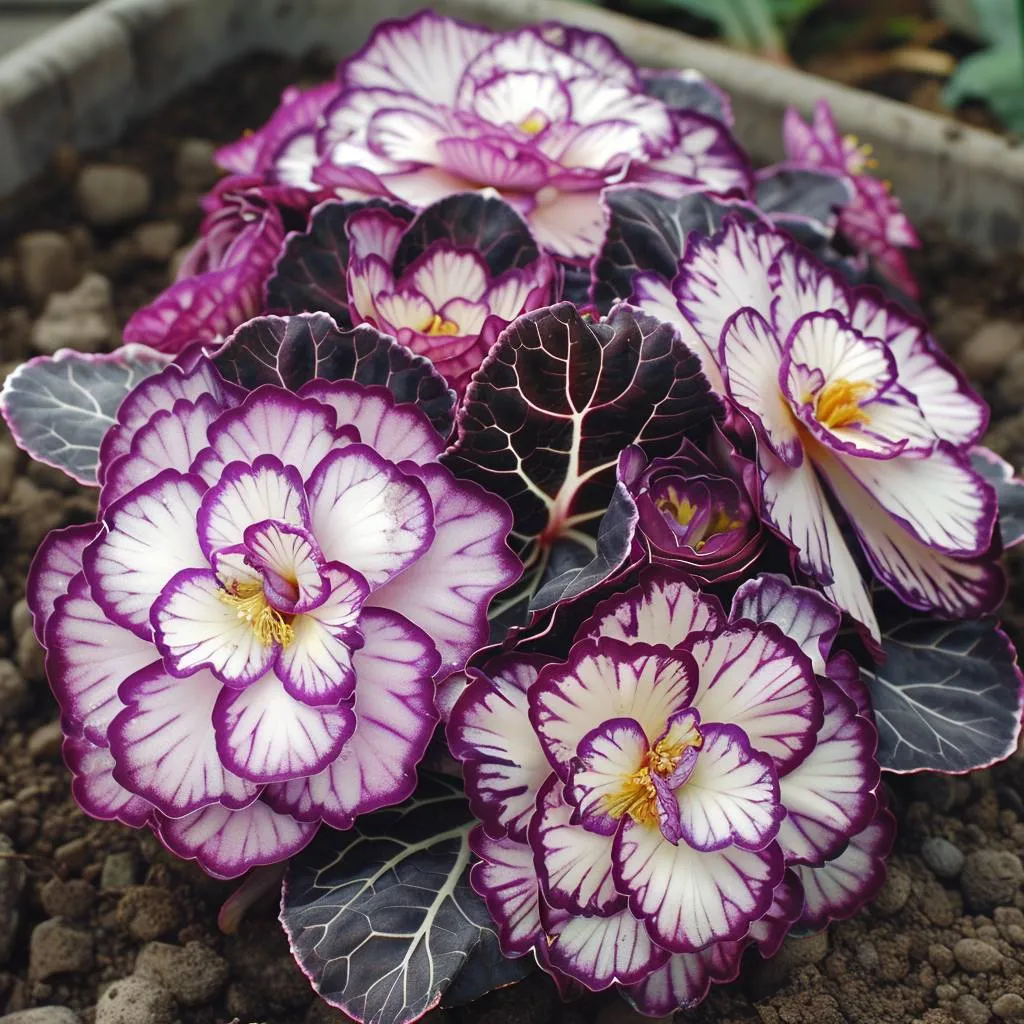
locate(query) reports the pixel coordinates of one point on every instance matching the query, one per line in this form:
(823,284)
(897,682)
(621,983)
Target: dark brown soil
(90,897)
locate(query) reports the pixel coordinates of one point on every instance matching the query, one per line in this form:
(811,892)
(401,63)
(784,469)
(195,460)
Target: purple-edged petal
(266,735)
(759,679)
(606,760)
(448,589)
(787,905)
(369,514)
(300,432)
(195,628)
(600,951)
(149,536)
(608,679)
(801,613)
(662,609)
(489,731)
(95,788)
(291,564)
(87,658)
(57,561)
(397,431)
(316,667)
(246,494)
(569,224)
(227,843)
(831,794)
(751,355)
(689,898)
(165,747)
(574,866)
(840,888)
(505,878)
(732,796)
(170,440)
(685,979)
(395,718)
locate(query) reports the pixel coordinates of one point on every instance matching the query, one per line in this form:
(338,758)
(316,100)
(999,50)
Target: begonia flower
(684,784)
(547,116)
(246,643)
(874,222)
(850,400)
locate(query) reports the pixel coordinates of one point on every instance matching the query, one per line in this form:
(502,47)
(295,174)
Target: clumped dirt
(96,914)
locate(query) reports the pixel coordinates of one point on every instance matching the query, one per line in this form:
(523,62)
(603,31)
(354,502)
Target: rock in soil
(14,692)
(194,974)
(72,898)
(42,1015)
(945,859)
(1009,1007)
(12,886)
(135,1001)
(46,264)
(82,319)
(147,913)
(977,957)
(59,948)
(987,351)
(990,879)
(110,194)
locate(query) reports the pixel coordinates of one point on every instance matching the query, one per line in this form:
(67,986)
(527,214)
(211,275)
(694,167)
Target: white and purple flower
(246,644)
(546,116)
(849,397)
(873,222)
(684,784)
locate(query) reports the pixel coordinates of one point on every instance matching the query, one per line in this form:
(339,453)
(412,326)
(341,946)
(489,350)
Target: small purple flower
(695,511)
(220,282)
(246,643)
(665,796)
(845,391)
(874,222)
(547,116)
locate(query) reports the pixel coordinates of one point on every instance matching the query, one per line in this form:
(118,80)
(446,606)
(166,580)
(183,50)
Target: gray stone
(194,169)
(57,947)
(71,898)
(46,264)
(118,871)
(894,894)
(194,974)
(943,858)
(987,351)
(147,912)
(12,886)
(8,466)
(1007,1007)
(990,879)
(971,1010)
(110,194)
(44,743)
(976,956)
(158,240)
(82,319)
(14,692)
(135,1000)
(42,1015)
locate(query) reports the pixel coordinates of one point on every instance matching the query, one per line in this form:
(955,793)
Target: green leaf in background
(996,74)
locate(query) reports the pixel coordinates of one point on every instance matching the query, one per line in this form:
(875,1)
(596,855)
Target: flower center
(838,404)
(250,604)
(532,125)
(682,510)
(638,796)
(437,327)
(858,157)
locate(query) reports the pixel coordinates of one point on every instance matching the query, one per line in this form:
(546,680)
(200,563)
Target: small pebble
(944,859)
(941,958)
(110,194)
(71,898)
(976,956)
(15,696)
(118,871)
(81,319)
(968,1009)
(987,351)
(990,879)
(158,240)
(135,1000)
(12,884)
(894,894)
(46,264)
(146,913)
(44,743)
(57,947)
(194,974)
(74,854)
(194,169)
(1007,1007)
(42,1015)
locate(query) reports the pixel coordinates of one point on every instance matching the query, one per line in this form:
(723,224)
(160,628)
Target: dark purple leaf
(947,697)
(689,90)
(471,220)
(310,276)
(58,408)
(291,351)
(647,231)
(382,918)
(550,410)
(1009,492)
(795,193)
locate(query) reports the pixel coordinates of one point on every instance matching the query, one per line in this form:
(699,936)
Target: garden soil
(98,924)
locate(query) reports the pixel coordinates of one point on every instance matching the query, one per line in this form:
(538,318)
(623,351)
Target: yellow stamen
(638,797)
(533,125)
(679,508)
(437,327)
(250,603)
(838,404)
